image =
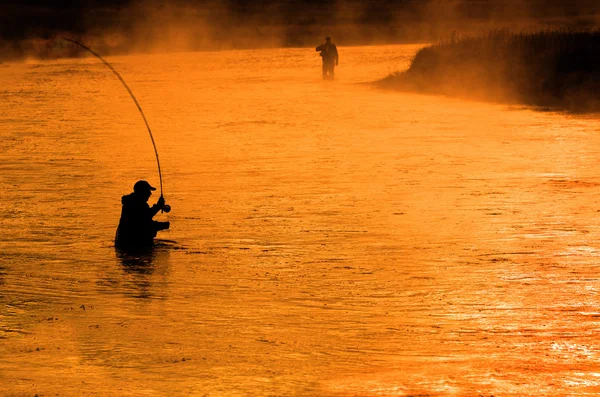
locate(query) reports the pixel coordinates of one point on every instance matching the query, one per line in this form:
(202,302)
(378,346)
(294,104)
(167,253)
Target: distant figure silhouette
(136,228)
(330,57)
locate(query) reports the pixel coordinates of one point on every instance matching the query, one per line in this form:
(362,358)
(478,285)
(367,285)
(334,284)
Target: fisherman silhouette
(136,228)
(330,57)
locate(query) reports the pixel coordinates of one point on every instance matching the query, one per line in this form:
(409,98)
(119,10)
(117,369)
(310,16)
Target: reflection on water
(331,239)
(140,264)
(139,268)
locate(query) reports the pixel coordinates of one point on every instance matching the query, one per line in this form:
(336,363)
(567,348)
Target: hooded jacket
(136,227)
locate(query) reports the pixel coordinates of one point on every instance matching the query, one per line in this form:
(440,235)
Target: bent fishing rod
(166,208)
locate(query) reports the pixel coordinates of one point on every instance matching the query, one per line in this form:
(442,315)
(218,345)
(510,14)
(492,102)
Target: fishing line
(166,208)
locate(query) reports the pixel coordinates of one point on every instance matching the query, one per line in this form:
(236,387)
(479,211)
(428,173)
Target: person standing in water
(330,57)
(136,228)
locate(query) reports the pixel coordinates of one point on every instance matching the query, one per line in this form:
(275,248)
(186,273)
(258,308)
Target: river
(328,238)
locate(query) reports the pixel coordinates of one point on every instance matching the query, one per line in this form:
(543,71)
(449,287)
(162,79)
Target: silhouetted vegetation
(558,69)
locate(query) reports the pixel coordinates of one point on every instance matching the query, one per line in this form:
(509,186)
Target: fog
(161,26)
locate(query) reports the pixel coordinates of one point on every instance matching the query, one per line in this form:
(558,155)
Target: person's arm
(318,48)
(158,206)
(337,56)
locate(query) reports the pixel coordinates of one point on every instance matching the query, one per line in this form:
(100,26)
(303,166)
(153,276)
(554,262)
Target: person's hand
(160,202)
(336,63)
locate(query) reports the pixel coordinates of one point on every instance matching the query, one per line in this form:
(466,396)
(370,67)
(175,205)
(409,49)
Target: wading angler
(329,54)
(136,228)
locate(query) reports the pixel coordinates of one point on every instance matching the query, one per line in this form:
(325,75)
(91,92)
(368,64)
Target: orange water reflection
(331,239)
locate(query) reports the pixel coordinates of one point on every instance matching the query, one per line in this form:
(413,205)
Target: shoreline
(549,69)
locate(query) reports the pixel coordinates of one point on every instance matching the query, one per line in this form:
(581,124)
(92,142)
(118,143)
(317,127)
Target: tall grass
(548,68)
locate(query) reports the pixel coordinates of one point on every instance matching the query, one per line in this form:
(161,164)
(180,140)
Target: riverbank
(556,69)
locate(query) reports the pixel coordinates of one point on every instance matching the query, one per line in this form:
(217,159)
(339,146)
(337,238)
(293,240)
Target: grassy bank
(558,69)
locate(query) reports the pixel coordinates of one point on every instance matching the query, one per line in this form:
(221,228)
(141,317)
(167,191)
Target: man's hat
(142,186)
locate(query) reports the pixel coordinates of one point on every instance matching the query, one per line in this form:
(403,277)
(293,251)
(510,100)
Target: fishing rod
(166,208)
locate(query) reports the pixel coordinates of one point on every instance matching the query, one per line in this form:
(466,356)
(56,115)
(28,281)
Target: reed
(557,68)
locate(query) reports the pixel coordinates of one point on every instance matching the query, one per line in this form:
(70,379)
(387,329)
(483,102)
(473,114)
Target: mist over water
(142,26)
(328,238)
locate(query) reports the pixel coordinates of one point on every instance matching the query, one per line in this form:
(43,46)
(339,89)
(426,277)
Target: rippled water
(328,238)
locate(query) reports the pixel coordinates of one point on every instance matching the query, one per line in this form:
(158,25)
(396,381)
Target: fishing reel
(166,207)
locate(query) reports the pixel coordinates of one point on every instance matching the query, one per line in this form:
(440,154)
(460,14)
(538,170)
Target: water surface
(328,238)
